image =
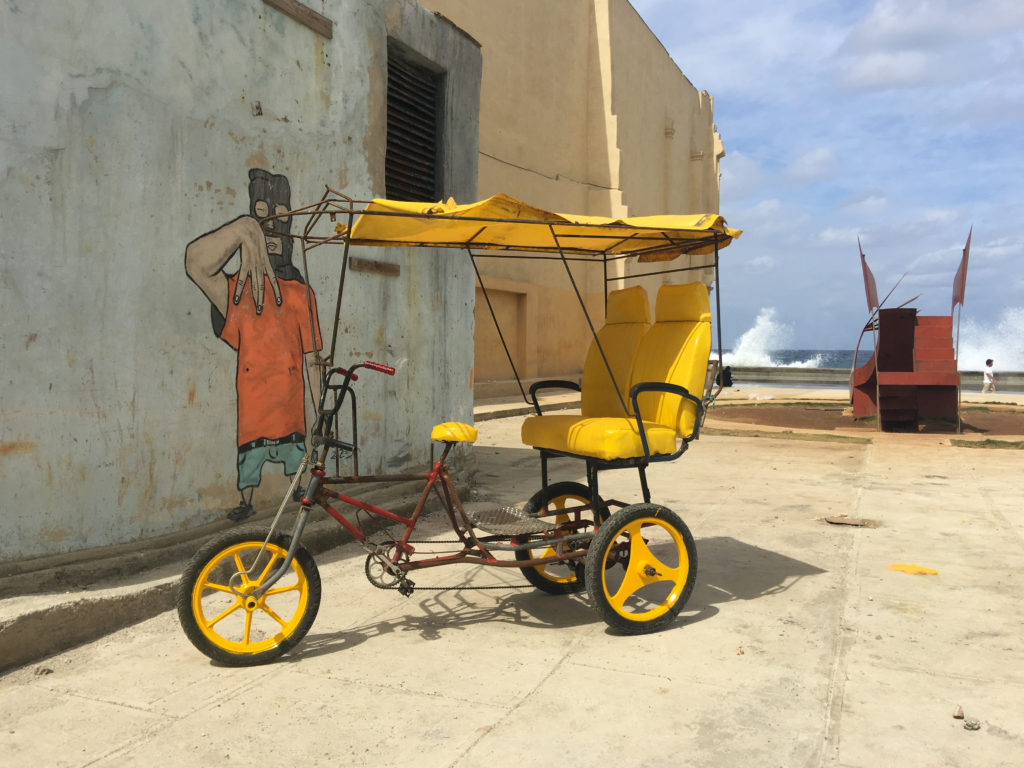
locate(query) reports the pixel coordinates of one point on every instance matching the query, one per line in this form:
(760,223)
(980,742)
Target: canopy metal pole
(604,265)
(341,289)
(718,308)
(586,314)
(497,326)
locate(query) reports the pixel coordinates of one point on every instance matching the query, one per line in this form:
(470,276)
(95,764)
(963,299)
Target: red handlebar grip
(380,367)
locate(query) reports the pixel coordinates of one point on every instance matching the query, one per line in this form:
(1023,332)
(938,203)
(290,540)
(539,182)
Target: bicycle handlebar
(351,373)
(343,372)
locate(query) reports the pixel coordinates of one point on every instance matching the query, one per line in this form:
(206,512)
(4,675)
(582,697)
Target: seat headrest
(683,304)
(628,305)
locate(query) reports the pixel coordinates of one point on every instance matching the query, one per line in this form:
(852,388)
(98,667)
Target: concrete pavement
(799,646)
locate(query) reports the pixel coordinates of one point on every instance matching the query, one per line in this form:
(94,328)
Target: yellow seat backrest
(627,319)
(675,350)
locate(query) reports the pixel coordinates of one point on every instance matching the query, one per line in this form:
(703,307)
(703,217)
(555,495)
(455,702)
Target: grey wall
(128,129)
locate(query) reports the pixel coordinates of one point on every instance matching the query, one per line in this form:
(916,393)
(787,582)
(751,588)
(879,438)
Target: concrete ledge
(105,594)
(36,634)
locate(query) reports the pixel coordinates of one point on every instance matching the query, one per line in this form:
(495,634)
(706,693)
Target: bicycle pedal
(406,587)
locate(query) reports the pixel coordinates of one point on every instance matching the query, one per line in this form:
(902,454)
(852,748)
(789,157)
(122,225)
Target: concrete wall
(128,131)
(582,110)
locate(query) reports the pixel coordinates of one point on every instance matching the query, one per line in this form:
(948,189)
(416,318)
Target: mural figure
(268,315)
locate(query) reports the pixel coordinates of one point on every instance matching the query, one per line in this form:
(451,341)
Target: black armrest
(672,389)
(550,384)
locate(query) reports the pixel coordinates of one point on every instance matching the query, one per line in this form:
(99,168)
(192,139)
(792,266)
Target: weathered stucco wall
(582,110)
(128,130)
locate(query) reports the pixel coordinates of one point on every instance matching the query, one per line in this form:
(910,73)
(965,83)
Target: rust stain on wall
(55,534)
(191,392)
(30,338)
(17,446)
(257,160)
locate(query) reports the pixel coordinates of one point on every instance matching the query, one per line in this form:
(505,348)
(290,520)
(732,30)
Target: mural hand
(255,264)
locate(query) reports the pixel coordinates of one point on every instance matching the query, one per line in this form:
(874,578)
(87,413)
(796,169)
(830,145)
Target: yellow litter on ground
(916,570)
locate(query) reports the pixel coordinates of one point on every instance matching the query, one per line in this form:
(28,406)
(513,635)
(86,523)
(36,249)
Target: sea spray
(757,347)
(1004,343)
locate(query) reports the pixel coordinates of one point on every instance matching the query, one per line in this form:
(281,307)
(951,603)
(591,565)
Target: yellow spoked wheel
(219,611)
(641,568)
(563,501)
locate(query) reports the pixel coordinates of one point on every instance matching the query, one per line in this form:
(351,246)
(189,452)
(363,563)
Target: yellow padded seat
(626,321)
(674,350)
(454,432)
(603,438)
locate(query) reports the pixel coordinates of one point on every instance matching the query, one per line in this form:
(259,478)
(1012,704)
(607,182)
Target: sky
(900,122)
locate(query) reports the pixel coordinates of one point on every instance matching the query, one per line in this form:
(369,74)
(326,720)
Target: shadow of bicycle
(728,570)
(473,599)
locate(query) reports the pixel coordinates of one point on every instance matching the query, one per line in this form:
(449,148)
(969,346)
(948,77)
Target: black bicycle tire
(217,545)
(607,534)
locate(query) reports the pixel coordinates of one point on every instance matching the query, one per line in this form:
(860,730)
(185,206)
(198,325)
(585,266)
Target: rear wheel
(641,568)
(220,614)
(563,501)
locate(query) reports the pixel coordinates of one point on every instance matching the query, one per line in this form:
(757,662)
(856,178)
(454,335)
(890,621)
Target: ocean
(769,344)
(795,358)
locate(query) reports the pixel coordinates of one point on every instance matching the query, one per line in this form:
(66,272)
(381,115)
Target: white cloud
(940,216)
(814,165)
(933,24)
(932,43)
(888,69)
(742,175)
(868,204)
(998,249)
(844,235)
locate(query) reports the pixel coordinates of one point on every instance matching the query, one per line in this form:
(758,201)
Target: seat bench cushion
(600,438)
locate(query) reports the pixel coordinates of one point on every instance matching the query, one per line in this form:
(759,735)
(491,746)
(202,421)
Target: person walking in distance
(990,378)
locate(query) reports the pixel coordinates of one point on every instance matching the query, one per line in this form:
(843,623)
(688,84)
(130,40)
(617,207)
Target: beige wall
(582,110)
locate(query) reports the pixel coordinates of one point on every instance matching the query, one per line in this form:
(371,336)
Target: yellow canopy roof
(502,223)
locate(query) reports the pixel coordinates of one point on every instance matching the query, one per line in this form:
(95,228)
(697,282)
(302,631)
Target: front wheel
(563,501)
(641,568)
(220,614)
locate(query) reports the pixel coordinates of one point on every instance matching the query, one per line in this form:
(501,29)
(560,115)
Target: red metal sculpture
(912,374)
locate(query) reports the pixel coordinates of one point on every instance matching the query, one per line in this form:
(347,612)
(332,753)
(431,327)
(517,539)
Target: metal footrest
(508,521)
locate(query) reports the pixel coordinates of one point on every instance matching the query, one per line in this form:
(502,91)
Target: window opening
(414,116)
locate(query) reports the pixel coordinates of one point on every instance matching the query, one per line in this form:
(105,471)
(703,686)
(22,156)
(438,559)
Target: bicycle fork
(316,476)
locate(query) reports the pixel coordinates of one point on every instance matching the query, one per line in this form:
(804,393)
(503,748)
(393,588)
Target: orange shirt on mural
(271,345)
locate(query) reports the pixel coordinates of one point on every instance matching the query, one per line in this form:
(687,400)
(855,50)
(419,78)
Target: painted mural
(267,314)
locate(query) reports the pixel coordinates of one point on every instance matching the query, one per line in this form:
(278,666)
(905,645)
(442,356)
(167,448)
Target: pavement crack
(515,707)
(841,644)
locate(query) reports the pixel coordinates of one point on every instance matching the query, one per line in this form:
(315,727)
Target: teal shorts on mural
(251,459)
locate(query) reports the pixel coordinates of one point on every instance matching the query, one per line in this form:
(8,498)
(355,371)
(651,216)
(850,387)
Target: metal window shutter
(411,161)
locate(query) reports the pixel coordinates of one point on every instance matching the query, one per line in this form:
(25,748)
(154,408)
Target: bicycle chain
(458,586)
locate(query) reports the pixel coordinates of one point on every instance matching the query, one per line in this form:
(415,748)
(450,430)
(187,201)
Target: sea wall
(840,377)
